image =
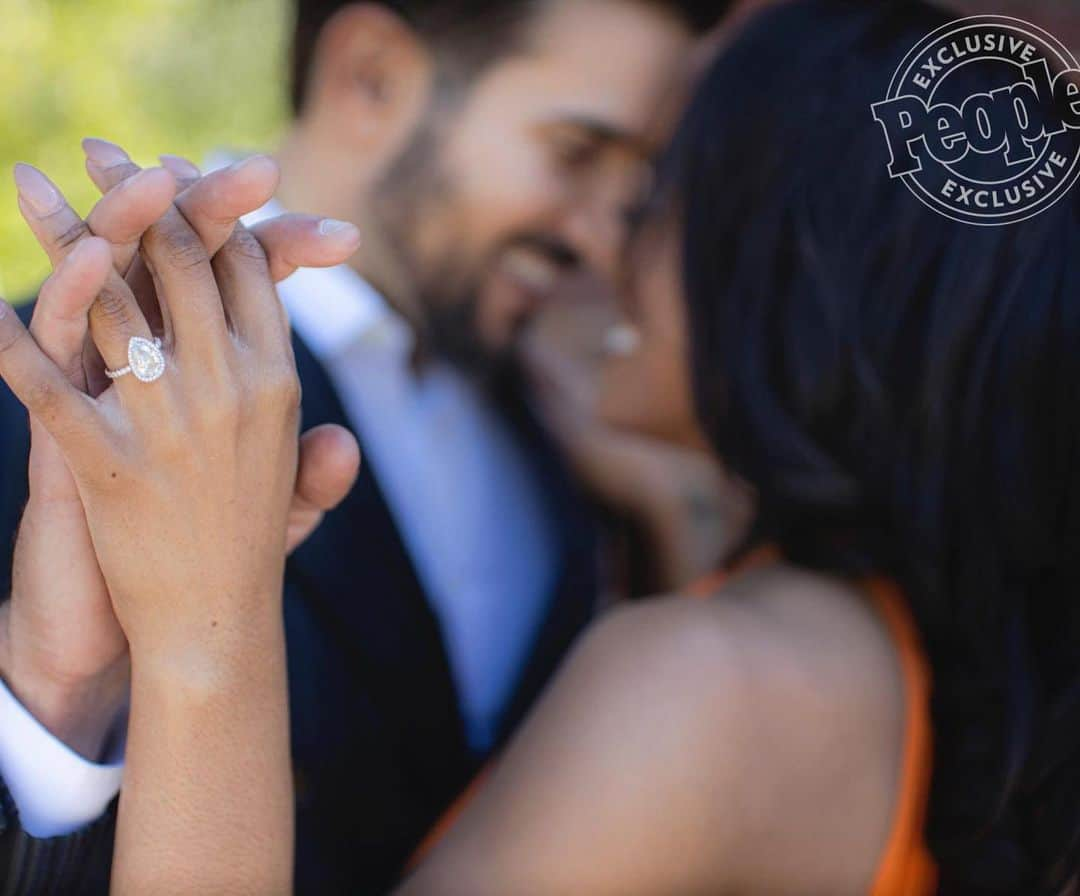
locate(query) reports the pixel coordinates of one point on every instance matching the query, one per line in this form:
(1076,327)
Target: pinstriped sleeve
(74,865)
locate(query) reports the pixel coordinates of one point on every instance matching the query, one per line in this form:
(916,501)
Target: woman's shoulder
(748,743)
(772,628)
(791,687)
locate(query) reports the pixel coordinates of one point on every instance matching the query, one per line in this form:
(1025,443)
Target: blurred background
(180,76)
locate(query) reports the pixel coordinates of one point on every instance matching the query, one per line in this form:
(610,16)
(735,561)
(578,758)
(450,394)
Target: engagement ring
(146,361)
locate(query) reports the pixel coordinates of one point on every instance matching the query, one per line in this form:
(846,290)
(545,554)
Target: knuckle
(68,237)
(292,393)
(43,399)
(181,247)
(10,339)
(115,308)
(222,409)
(245,248)
(280,388)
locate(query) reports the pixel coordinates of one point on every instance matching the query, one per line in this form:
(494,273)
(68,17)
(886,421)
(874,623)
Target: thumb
(61,316)
(329,463)
(60,327)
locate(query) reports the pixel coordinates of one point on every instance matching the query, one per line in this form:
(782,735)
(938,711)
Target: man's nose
(596,232)
(596,222)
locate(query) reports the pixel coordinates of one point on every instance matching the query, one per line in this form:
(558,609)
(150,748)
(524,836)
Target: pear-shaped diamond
(146,358)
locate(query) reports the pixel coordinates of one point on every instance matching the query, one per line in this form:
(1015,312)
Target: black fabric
(59,866)
(14,456)
(378,743)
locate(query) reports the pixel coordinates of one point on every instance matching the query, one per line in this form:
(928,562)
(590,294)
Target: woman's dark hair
(903,392)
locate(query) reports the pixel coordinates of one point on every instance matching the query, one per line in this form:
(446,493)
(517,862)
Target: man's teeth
(534,272)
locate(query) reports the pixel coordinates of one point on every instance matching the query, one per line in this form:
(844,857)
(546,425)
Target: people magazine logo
(1006,153)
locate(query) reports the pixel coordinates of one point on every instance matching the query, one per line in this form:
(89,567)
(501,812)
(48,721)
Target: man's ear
(370,82)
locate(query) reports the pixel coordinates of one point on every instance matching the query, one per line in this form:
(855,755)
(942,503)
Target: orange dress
(906,867)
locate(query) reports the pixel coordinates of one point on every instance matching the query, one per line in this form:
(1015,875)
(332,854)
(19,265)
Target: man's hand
(61,650)
(688,507)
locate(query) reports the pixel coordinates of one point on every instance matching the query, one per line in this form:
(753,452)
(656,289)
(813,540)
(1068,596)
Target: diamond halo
(146,361)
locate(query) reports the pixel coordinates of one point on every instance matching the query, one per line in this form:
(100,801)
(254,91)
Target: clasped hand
(160,513)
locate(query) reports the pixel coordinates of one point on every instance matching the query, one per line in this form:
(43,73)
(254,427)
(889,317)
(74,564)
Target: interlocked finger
(125,215)
(212,204)
(115,316)
(61,315)
(185,287)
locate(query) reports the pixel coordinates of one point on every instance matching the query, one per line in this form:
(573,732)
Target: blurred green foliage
(179,76)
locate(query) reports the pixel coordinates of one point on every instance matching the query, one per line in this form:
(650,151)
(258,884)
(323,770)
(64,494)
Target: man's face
(530,174)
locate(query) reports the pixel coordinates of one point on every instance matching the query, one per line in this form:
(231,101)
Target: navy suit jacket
(378,743)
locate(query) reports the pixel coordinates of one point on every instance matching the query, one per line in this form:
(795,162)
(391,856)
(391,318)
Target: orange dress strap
(757,558)
(442,827)
(907,867)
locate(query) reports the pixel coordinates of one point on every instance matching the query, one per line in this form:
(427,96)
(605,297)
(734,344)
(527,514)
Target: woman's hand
(213,204)
(186,484)
(688,508)
(61,649)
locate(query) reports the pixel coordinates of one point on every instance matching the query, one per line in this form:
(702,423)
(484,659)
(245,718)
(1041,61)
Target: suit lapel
(356,572)
(365,584)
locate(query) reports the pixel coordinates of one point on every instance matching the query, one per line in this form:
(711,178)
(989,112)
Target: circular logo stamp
(993,154)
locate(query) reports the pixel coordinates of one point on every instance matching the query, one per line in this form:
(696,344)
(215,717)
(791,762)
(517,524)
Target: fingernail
(103,153)
(333,227)
(244,163)
(179,166)
(36,190)
(137,179)
(4,309)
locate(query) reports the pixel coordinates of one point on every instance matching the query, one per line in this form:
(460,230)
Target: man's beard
(454,306)
(451,332)
(446,296)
